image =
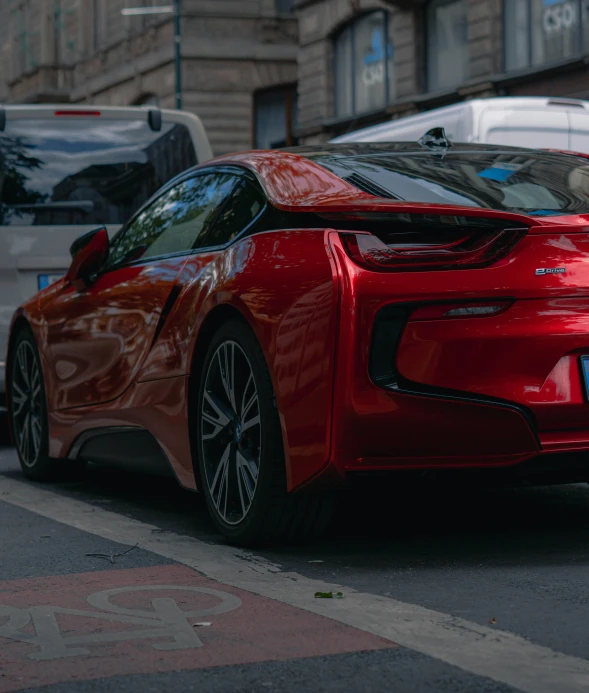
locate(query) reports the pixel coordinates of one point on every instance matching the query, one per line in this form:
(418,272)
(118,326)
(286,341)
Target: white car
(65,170)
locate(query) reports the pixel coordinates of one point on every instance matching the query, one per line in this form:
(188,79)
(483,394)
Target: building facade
(265,73)
(366,61)
(239,61)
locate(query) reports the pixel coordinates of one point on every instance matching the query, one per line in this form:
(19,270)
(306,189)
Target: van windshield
(64,171)
(535,182)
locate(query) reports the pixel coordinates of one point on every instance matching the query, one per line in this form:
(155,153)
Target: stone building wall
(90,53)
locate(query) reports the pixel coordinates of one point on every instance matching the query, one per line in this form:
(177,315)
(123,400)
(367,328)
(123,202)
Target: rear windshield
(534,182)
(78,171)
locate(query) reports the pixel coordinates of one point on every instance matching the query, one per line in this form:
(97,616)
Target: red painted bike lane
(149,620)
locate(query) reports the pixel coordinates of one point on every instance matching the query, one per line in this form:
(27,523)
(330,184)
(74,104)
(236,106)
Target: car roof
(370,148)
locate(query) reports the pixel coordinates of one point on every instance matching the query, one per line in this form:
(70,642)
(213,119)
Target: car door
(97,338)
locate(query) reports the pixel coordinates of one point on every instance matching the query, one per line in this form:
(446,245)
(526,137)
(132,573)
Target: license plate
(45,280)
(585,372)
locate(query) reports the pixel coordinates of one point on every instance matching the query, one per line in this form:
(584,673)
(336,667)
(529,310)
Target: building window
(447,43)
(364,65)
(284,6)
(275,115)
(540,32)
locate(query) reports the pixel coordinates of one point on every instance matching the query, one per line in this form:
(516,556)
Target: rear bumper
(454,393)
(528,355)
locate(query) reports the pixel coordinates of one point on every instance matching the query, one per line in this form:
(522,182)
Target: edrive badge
(551,270)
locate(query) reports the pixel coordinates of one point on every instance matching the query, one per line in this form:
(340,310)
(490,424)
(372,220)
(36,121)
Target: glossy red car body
(477,391)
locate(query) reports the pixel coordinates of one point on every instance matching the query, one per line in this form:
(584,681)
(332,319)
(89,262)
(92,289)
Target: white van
(65,170)
(535,122)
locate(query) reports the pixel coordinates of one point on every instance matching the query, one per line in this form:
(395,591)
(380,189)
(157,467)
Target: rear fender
(284,284)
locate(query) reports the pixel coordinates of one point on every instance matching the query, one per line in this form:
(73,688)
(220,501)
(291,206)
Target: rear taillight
(431,249)
(415,247)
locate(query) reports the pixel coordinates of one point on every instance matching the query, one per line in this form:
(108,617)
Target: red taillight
(462,248)
(78,113)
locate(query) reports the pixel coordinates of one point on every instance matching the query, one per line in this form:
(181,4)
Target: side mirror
(89,252)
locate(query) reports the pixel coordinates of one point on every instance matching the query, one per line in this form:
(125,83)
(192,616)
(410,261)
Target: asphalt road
(444,590)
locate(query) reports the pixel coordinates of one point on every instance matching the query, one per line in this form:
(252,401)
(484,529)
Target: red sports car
(272,323)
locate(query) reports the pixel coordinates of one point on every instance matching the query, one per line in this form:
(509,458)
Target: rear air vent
(369,186)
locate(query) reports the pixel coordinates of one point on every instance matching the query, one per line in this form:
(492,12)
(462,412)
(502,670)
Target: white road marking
(166,620)
(496,654)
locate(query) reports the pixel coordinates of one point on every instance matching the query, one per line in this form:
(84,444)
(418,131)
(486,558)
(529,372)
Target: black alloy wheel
(240,449)
(28,413)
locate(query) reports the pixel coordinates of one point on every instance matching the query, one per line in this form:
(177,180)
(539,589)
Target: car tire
(28,413)
(240,449)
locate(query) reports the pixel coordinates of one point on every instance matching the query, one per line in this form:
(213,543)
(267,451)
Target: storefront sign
(373,72)
(559,16)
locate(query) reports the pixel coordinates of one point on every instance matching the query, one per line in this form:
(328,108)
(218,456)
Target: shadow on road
(384,525)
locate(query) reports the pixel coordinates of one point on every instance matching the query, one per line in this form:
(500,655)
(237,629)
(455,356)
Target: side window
(244,205)
(175,221)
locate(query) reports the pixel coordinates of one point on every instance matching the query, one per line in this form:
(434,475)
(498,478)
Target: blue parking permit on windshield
(544,213)
(498,174)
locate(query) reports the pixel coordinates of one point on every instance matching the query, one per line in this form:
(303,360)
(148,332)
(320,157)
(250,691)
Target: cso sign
(559,16)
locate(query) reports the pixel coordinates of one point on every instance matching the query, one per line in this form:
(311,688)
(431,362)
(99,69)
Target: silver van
(65,170)
(530,121)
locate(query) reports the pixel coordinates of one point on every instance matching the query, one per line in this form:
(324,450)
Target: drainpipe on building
(178,52)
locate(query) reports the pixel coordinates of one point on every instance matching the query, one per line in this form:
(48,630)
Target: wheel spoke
(36,433)
(24,438)
(218,419)
(220,480)
(22,364)
(245,479)
(254,421)
(227,370)
(35,381)
(18,398)
(253,399)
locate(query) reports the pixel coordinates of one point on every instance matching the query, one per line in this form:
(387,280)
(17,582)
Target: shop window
(447,43)
(275,114)
(541,32)
(364,65)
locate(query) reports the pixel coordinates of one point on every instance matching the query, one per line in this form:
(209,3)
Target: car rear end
(65,170)
(464,330)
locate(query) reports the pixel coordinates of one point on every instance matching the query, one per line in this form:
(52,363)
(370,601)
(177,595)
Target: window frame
(350,25)
(237,171)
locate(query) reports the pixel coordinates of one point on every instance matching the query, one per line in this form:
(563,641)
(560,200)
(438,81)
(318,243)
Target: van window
(63,171)
(535,182)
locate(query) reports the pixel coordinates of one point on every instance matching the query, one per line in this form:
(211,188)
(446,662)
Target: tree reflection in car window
(113,165)
(239,211)
(176,221)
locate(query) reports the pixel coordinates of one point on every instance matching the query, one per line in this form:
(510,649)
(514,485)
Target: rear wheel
(240,449)
(28,412)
